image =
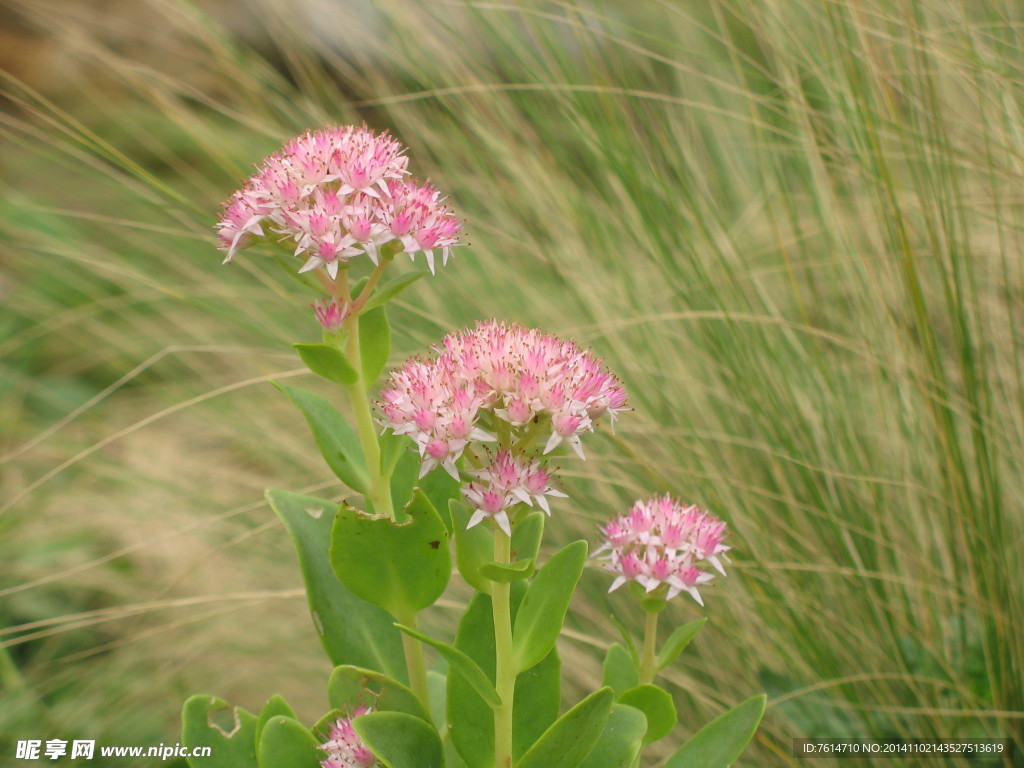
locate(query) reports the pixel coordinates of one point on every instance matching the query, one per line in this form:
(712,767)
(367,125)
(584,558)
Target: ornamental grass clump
(452,461)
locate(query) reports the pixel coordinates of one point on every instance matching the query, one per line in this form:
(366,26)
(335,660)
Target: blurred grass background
(794,228)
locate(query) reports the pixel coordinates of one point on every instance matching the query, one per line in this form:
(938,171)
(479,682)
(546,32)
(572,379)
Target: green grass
(794,229)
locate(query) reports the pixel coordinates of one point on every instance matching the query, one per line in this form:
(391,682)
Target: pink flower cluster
(510,379)
(344,748)
(335,193)
(509,480)
(661,542)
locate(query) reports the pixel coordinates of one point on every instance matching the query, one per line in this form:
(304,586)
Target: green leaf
(390,290)
(572,736)
(461,663)
(621,740)
(337,441)
(657,706)
(537,699)
(399,740)
(620,670)
(327,361)
(537,694)
(374,343)
(229,732)
(404,477)
(543,610)
(349,687)
(474,547)
(285,741)
(677,643)
(275,706)
(526,536)
(352,630)
(437,686)
(441,488)
(402,568)
(719,743)
(504,573)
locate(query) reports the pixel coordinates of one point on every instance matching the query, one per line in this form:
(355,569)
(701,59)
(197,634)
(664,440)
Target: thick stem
(416,664)
(505,674)
(380,486)
(648,657)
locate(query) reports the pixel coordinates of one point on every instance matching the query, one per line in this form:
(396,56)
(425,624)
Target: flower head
(344,748)
(661,542)
(506,482)
(498,373)
(336,193)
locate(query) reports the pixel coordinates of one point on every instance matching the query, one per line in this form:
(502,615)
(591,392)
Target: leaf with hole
(402,568)
(229,732)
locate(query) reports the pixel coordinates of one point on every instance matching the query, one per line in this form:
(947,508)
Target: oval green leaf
(620,671)
(349,687)
(275,706)
(657,706)
(542,612)
(285,741)
(719,743)
(461,663)
(374,343)
(352,630)
(572,736)
(621,740)
(399,740)
(474,547)
(337,441)
(327,361)
(678,641)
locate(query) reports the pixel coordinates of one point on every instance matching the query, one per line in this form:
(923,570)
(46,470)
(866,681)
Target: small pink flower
(660,542)
(344,748)
(508,481)
(333,194)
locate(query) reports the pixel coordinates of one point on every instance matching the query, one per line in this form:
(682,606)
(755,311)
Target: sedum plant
(448,467)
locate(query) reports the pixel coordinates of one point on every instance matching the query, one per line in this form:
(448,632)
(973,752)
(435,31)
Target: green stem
(380,486)
(505,674)
(364,295)
(415,663)
(648,657)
